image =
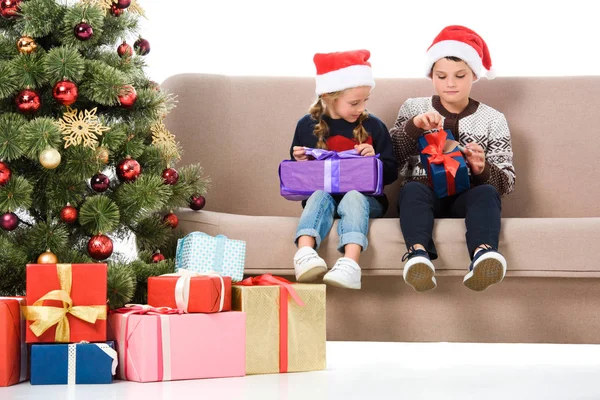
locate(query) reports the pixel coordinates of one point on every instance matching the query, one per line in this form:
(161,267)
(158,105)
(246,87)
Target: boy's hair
(321,131)
(451,58)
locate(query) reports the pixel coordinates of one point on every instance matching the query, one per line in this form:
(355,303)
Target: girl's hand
(299,153)
(365,149)
(428,121)
(475,157)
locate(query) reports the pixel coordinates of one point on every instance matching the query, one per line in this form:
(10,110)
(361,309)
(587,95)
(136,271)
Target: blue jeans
(354,211)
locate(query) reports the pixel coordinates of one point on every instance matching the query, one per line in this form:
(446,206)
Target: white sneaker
(308,265)
(487,268)
(345,274)
(419,270)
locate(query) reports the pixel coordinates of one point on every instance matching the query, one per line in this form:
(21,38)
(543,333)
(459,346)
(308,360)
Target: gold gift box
(306,328)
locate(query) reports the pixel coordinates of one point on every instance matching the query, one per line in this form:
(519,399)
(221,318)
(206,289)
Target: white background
(275,37)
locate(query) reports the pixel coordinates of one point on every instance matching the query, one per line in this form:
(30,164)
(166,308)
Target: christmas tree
(85,157)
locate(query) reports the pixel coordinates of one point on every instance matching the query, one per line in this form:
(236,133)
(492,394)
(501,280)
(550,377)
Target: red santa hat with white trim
(343,70)
(461,42)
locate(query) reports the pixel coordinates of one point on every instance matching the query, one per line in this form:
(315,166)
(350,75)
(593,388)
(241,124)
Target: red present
(190,292)
(13,350)
(66,303)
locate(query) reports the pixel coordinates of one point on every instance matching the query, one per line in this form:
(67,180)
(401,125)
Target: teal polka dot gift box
(203,253)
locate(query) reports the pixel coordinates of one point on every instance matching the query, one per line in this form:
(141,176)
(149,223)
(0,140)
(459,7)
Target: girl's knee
(353,197)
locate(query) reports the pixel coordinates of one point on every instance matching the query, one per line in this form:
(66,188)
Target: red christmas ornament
(83,31)
(100,247)
(128,170)
(65,92)
(9,221)
(116,11)
(5,173)
(124,50)
(197,203)
(128,96)
(170,176)
(9,8)
(171,220)
(122,4)
(68,214)
(142,46)
(28,101)
(157,257)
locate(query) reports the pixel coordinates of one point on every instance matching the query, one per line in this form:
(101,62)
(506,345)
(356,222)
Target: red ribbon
(140,309)
(285,292)
(435,150)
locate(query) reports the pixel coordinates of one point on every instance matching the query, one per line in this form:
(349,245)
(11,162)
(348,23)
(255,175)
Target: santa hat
(343,70)
(461,42)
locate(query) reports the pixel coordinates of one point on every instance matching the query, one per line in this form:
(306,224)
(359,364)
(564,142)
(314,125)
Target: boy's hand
(365,149)
(475,157)
(299,153)
(428,121)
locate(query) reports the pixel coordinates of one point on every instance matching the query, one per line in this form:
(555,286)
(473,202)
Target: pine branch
(16,194)
(8,79)
(12,267)
(143,197)
(121,284)
(11,125)
(62,189)
(99,214)
(117,28)
(73,256)
(81,162)
(151,233)
(43,236)
(92,15)
(115,137)
(39,134)
(102,83)
(29,70)
(40,17)
(64,63)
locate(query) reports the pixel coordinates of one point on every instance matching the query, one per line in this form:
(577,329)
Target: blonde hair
(321,130)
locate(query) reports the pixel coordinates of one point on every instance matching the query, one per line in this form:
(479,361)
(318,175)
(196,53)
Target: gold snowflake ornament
(81,127)
(165,140)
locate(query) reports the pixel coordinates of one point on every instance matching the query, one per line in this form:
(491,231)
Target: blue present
(202,253)
(81,363)
(445,164)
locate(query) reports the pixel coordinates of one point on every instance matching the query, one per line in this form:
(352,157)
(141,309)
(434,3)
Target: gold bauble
(26,45)
(47,257)
(102,154)
(50,158)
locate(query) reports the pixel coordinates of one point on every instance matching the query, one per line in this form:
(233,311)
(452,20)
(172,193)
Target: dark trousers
(480,206)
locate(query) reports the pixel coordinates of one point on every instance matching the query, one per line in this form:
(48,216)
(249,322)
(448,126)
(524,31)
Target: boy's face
(350,104)
(452,80)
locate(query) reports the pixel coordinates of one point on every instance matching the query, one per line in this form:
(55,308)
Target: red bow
(435,150)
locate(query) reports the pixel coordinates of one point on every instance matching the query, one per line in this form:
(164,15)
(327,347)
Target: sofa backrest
(240,128)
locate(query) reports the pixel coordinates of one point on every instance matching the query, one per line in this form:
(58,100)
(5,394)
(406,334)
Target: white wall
(275,37)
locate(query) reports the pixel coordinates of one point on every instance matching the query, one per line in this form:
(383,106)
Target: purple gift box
(331,171)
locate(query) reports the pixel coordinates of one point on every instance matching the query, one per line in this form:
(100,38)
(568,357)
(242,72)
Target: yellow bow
(45,317)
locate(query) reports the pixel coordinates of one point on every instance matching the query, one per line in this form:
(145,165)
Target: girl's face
(452,81)
(349,105)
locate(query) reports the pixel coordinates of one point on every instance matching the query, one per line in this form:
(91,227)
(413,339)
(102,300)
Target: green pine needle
(11,125)
(43,236)
(143,197)
(29,70)
(64,63)
(8,80)
(92,15)
(116,136)
(39,134)
(102,83)
(62,189)
(40,17)
(81,162)
(16,194)
(121,284)
(99,214)
(12,268)
(152,234)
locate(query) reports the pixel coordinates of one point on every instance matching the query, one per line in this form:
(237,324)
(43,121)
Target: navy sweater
(341,138)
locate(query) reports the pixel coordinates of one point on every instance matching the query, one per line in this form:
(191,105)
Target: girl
(338,121)
(457,58)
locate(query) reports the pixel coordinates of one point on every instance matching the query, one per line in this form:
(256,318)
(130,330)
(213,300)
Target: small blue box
(89,364)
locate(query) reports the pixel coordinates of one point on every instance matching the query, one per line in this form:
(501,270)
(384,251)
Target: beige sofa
(240,128)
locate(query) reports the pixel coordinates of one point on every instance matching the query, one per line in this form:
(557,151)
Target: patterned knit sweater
(477,123)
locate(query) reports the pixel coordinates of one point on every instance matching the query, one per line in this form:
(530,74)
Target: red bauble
(122,4)
(142,46)
(171,220)
(100,247)
(128,96)
(65,92)
(100,183)
(9,8)
(197,203)
(128,170)
(116,11)
(83,31)
(5,173)
(28,101)
(9,221)
(124,50)
(68,214)
(170,176)
(157,257)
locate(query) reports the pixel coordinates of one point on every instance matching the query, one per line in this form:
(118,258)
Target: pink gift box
(156,347)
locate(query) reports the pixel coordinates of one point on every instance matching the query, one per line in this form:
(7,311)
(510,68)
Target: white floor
(361,370)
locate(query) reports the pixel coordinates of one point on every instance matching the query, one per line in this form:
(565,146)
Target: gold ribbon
(45,317)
